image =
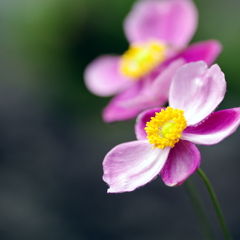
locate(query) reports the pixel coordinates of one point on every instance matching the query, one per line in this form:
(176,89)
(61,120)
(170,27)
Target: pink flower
(167,145)
(158,33)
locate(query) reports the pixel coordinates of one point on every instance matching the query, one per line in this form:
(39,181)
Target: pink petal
(146,97)
(102,76)
(173,21)
(117,109)
(132,165)
(197,90)
(131,102)
(206,51)
(215,128)
(141,121)
(183,160)
(160,86)
(149,92)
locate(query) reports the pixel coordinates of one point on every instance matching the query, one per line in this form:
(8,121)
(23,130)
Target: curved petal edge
(173,22)
(131,165)
(183,160)
(214,128)
(197,90)
(102,76)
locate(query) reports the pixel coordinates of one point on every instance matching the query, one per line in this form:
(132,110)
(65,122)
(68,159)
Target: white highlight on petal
(131,165)
(199,82)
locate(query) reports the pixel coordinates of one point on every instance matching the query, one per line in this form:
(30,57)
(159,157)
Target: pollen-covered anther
(140,59)
(165,129)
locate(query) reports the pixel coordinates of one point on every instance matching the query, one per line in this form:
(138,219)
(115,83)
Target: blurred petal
(131,165)
(131,102)
(149,96)
(197,90)
(141,121)
(173,21)
(102,76)
(215,128)
(149,92)
(206,51)
(118,110)
(183,160)
(160,86)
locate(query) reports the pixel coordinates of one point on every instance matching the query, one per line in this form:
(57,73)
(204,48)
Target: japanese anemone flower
(158,33)
(167,136)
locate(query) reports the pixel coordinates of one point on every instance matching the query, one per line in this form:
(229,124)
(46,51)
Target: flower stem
(215,203)
(199,210)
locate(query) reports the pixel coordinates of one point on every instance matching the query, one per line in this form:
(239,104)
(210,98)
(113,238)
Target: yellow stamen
(165,129)
(140,59)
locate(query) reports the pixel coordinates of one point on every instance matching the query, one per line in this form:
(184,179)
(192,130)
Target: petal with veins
(182,161)
(131,165)
(215,128)
(197,90)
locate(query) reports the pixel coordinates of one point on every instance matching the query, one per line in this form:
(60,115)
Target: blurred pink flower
(158,33)
(166,146)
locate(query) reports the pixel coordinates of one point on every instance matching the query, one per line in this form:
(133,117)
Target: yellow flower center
(165,129)
(140,59)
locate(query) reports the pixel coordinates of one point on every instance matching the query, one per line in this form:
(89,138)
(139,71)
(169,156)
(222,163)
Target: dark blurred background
(53,139)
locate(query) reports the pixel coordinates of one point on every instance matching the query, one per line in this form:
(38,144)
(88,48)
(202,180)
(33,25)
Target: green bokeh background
(53,139)
(56,39)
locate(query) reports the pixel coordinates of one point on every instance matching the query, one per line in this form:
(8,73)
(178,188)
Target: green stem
(199,210)
(215,203)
